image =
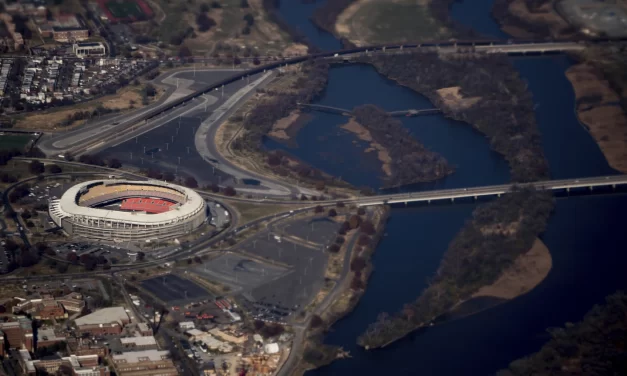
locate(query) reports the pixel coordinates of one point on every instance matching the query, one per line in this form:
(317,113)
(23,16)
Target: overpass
(564,185)
(344,111)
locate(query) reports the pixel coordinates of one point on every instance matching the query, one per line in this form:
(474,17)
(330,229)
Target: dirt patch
(287,127)
(452,98)
(528,270)
(598,107)
(296,50)
(363,134)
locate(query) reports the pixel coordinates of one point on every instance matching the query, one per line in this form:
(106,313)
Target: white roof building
(187,325)
(105,316)
(271,348)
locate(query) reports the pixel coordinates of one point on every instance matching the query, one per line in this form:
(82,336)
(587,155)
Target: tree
(274,159)
(215,4)
(191,182)
(229,191)
(204,23)
(358,264)
(149,90)
(36,167)
(244,4)
(114,163)
(54,169)
(204,7)
(340,240)
(361,211)
(72,257)
(316,321)
(334,248)
(214,188)
(367,227)
(340,204)
(354,221)
(245,31)
(256,61)
(318,209)
(250,20)
(141,256)
(364,240)
(332,212)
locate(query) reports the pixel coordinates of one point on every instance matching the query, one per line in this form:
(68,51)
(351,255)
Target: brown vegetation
(408,160)
(511,126)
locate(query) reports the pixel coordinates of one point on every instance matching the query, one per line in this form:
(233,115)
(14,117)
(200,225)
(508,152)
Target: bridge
(495,190)
(346,112)
(487,46)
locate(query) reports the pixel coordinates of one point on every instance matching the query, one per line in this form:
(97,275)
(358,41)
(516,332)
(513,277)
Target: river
(585,233)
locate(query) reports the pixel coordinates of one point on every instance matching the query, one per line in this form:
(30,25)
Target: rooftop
(141,356)
(139,341)
(104,316)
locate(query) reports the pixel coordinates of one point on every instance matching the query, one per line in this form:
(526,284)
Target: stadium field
(126,10)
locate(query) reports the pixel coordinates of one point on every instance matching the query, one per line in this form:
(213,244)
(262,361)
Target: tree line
(594,346)
(411,161)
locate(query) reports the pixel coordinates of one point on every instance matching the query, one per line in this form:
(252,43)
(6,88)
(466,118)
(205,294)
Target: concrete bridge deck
(347,112)
(494,190)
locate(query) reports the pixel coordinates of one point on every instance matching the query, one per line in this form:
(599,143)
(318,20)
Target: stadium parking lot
(294,260)
(175,290)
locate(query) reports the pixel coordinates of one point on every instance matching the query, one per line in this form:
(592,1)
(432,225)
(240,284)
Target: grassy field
(10,141)
(264,37)
(376,21)
(125,9)
(250,212)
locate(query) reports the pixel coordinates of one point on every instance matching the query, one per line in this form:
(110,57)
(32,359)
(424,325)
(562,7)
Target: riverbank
(345,295)
(598,108)
(273,111)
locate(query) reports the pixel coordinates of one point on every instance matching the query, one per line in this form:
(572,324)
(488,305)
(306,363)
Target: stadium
(125,210)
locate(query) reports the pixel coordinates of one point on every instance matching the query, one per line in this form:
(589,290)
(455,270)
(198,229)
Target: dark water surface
(324,145)
(587,266)
(585,234)
(477,14)
(297,14)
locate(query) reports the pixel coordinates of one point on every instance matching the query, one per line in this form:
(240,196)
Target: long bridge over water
(347,112)
(565,185)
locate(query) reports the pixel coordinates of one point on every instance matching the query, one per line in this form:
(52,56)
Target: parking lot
(289,247)
(241,274)
(173,289)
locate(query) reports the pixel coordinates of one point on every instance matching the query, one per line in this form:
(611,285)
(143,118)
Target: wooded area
(505,112)
(594,346)
(497,234)
(411,161)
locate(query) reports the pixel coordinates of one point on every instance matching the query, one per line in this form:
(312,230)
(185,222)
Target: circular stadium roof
(72,202)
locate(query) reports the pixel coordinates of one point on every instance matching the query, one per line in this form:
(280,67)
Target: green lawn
(10,141)
(385,22)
